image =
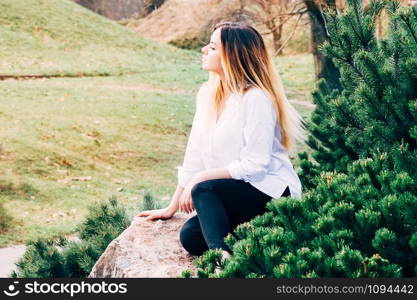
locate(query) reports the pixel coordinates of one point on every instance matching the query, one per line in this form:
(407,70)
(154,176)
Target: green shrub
(48,258)
(149,202)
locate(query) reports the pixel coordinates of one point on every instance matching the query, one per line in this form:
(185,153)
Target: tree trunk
(324,67)
(276,31)
(277,36)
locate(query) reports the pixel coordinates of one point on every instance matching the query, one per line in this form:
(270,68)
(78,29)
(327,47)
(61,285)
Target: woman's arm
(174,205)
(192,162)
(259,132)
(215,173)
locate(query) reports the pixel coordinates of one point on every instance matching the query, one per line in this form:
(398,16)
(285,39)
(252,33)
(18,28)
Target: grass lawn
(121,129)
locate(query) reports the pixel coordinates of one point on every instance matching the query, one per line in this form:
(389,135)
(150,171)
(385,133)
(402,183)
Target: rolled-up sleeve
(259,132)
(192,162)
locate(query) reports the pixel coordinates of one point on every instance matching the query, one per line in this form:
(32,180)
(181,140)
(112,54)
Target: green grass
(124,140)
(68,142)
(59,37)
(297,74)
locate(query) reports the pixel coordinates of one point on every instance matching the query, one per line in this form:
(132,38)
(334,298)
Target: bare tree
(274,15)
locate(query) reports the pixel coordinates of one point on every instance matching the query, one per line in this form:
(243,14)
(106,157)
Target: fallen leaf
(66,162)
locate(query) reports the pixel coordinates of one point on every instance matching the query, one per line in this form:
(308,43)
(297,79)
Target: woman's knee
(199,188)
(185,236)
(188,239)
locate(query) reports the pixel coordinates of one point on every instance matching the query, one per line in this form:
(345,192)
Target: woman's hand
(163,213)
(186,202)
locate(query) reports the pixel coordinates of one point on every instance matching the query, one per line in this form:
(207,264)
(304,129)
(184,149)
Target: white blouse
(245,140)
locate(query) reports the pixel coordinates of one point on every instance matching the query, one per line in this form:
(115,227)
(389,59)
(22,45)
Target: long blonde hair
(246,62)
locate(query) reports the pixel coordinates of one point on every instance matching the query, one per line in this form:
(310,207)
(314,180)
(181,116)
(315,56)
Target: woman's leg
(192,238)
(222,204)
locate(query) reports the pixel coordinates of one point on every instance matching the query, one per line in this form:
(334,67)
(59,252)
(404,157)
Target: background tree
(324,67)
(373,111)
(274,15)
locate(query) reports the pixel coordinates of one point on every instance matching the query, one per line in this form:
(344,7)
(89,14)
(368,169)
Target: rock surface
(146,249)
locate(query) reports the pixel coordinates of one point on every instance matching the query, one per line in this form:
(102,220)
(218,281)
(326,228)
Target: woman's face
(211,53)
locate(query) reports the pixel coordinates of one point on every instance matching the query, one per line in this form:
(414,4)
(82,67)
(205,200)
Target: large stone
(146,249)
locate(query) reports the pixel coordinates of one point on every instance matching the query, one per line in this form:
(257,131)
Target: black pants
(221,205)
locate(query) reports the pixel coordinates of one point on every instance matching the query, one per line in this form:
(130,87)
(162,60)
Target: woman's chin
(205,67)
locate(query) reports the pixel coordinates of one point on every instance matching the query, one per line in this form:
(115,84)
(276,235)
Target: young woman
(236,158)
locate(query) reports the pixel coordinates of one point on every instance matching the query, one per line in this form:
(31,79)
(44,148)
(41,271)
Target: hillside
(60,37)
(166,23)
(187,24)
